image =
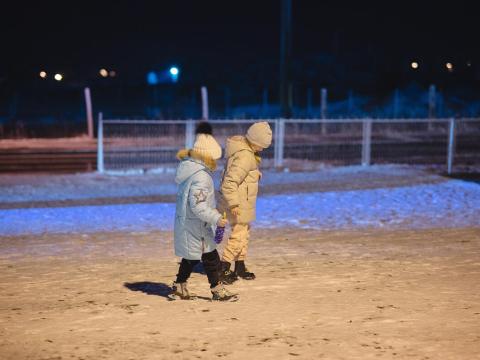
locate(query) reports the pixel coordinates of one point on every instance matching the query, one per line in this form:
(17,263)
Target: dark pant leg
(185,270)
(212,266)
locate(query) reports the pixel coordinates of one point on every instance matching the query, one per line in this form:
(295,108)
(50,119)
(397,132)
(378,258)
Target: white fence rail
(151,145)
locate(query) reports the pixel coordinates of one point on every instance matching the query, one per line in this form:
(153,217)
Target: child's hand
(235,211)
(222,222)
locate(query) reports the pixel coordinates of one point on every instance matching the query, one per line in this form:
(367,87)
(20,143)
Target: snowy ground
(405,199)
(451,203)
(351,263)
(24,190)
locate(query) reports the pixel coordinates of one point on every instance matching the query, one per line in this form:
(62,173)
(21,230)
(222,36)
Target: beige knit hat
(207,145)
(260,134)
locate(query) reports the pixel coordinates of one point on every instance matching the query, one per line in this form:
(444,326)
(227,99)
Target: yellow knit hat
(207,145)
(260,134)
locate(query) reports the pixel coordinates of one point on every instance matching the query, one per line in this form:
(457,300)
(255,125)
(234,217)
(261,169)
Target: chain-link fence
(138,145)
(299,144)
(467,144)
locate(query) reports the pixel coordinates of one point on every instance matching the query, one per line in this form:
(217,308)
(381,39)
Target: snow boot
(227,276)
(219,293)
(180,291)
(241,271)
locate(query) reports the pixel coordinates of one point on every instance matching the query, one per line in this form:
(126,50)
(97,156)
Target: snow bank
(449,204)
(452,203)
(37,188)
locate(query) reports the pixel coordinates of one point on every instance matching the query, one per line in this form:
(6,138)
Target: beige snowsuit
(239,187)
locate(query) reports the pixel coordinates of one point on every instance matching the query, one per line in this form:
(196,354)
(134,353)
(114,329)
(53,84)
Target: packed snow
(27,188)
(451,203)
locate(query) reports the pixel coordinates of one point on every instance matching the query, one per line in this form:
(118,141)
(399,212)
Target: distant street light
(174,72)
(164,76)
(43,74)
(103,72)
(414,65)
(58,77)
(469,63)
(449,66)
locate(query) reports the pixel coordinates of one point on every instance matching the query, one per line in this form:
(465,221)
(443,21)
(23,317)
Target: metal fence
(298,144)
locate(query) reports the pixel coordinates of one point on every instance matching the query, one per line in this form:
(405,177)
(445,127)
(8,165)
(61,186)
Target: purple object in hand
(219,234)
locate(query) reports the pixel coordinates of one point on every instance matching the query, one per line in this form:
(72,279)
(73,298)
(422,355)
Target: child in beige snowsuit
(239,189)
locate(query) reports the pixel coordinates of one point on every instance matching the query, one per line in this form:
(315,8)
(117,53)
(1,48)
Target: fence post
(204,103)
(451,146)
(281,146)
(366,142)
(189,134)
(100,164)
(323,103)
(88,111)
(276,142)
(275,145)
(279,141)
(323,109)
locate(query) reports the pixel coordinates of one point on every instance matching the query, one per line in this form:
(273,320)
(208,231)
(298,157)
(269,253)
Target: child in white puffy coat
(196,217)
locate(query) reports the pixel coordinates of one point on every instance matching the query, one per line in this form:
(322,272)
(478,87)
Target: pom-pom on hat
(204,127)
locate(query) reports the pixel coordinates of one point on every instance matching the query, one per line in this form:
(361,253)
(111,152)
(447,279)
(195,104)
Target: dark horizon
(216,42)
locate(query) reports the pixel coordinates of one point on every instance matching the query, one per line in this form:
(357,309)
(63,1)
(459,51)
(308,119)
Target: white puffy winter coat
(196,215)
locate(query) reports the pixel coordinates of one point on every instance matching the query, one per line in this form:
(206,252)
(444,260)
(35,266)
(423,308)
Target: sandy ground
(319,295)
(355,293)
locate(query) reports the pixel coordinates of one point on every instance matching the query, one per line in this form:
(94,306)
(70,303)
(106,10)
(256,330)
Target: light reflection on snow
(448,204)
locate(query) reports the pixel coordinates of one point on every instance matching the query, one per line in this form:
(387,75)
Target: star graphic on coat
(200,196)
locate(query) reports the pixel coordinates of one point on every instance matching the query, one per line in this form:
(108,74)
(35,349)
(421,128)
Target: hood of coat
(239,143)
(191,163)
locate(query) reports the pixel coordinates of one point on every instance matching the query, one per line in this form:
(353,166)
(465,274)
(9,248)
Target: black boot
(242,271)
(227,276)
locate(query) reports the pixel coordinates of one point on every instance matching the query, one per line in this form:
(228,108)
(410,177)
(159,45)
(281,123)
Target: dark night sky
(134,36)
